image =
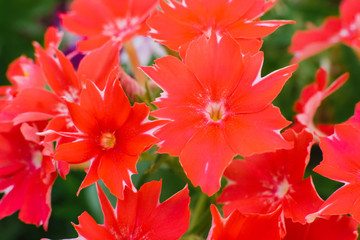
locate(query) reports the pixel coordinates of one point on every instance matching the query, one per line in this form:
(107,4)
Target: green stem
(198,211)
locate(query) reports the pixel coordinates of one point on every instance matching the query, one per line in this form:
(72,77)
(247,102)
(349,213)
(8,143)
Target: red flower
(219,107)
(341,154)
(345,29)
(26,175)
(333,228)
(101,21)
(111,133)
(63,80)
(181,22)
(262,183)
(139,216)
(240,226)
(311,98)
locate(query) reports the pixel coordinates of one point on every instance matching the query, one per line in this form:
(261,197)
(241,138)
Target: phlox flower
(22,73)
(245,226)
(27,174)
(139,216)
(332,228)
(341,154)
(180,22)
(219,106)
(111,134)
(264,182)
(345,29)
(65,84)
(310,99)
(104,20)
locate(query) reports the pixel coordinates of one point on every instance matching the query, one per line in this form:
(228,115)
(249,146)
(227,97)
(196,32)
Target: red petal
(348,11)
(119,8)
(89,229)
(142,9)
(60,74)
(83,120)
(76,152)
(265,89)
(341,151)
(171,218)
(239,226)
(108,211)
(45,102)
(175,134)
(176,80)
(333,228)
(169,30)
(14,199)
(87,17)
(97,65)
(301,201)
(92,101)
(217,64)
(114,171)
(117,106)
(52,37)
(345,200)
(92,43)
(245,137)
(205,157)
(91,175)
(256,29)
(307,43)
(36,208)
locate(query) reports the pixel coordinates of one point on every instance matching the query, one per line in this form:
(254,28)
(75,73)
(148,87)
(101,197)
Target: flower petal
(245,137)
(76,152)
(205,157)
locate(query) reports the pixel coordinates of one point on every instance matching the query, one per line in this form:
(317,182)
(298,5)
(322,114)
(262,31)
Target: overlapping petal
(139,216)
(178,23)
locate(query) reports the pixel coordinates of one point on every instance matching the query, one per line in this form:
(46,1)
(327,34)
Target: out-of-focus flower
(101,21)
(311,98)
(345,29)
(146,49)
(27,174)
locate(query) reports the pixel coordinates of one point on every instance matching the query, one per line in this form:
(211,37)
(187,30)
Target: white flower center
(282,189)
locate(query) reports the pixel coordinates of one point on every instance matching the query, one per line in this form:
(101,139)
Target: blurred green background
(24,21)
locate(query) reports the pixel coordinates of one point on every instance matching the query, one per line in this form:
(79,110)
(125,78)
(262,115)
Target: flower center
(107,140)
(37,158)
(282,189)
(215,111)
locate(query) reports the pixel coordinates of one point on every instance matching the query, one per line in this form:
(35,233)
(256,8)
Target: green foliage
(21,23)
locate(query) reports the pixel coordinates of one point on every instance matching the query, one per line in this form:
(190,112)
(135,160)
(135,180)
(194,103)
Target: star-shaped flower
(219,106)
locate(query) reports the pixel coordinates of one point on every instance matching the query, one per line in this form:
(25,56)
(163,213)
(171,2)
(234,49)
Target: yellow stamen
(107,140)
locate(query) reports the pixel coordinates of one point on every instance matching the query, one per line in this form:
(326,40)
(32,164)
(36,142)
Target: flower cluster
(215,116)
